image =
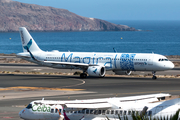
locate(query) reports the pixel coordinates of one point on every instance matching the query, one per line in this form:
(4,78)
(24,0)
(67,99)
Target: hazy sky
(118,9)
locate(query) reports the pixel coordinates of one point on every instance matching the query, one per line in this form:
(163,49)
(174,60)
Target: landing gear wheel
(154,75)
(102,76)
(83,75)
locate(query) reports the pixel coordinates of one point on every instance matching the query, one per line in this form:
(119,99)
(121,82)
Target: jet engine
(122,72)
(96,71)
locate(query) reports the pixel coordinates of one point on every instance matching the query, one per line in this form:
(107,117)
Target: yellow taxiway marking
(21,88)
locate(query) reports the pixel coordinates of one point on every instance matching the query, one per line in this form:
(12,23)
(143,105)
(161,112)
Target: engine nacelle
(96,71)
(122,72)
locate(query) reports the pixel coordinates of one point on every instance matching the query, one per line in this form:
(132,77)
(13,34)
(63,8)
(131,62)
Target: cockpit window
(29,106)
(163,60)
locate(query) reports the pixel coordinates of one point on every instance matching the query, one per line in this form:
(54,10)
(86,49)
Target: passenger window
(79,111)
(107,112)
(112,111)
(83,111)
(60,110)
(75,111)
(103,112)
(87,111)
(125,112)
(91,111)
(52,110)
(133,112)
(96,112)
(129,112)
(121,112)
(67,111)
(56,110)
(99,112)
(116,112)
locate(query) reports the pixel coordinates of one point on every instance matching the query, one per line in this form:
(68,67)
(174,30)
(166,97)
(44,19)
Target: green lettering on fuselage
(33,108)
(39,108)
(42,108)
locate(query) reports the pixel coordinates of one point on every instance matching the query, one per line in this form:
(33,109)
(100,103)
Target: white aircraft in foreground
(152,106)
(92,63)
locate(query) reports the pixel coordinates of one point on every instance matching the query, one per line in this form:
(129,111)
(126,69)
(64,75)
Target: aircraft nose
(170,65)
(21,113)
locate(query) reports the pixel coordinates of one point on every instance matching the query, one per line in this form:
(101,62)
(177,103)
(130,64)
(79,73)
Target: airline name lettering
(87,60)
(126,60)
(42,108)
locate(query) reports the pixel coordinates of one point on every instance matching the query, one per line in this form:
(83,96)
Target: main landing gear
(83,75)
(154,75)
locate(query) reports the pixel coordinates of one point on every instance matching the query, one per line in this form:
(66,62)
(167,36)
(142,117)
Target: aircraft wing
(89,105)
(70,63)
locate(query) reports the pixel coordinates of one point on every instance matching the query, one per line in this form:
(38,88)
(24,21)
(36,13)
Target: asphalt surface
(12,100)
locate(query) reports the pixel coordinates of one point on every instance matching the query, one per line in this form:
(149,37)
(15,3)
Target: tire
(83,75)
(154,77)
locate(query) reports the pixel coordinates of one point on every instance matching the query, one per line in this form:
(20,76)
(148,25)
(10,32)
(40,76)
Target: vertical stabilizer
(28,42)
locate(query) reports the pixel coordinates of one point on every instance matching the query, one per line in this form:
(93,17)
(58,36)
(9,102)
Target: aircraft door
(150,60)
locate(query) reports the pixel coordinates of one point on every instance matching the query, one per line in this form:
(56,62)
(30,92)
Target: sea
(161,37)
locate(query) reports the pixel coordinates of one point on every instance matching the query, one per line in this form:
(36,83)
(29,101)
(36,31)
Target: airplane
(151,106)
(92,63)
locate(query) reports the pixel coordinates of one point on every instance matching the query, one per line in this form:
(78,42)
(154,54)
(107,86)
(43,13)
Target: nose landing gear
(154,75)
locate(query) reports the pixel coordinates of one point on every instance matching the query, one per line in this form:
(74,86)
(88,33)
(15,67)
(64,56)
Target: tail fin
(28,42)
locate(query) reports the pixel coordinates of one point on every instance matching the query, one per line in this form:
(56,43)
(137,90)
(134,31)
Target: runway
(18,90)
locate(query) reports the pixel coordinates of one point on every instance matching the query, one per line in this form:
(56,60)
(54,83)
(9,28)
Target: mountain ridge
(15,14)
